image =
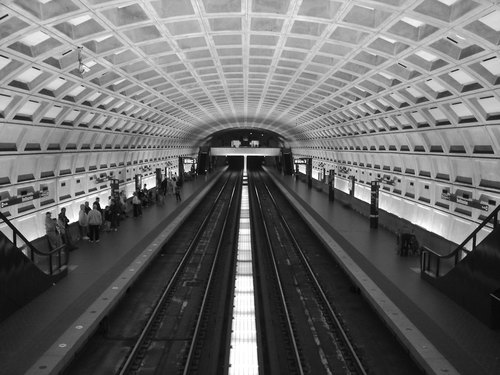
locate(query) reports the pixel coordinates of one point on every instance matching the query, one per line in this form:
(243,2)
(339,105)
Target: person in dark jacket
(64,228)
(98,205)
(178,192)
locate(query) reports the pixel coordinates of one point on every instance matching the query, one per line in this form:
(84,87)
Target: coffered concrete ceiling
(404,86)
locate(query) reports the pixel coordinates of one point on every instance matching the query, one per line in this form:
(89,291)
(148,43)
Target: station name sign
(475,203)
(300,161)
(24,198)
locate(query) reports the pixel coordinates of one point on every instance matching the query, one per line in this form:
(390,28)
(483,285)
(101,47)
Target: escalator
(25,272)
(471,278)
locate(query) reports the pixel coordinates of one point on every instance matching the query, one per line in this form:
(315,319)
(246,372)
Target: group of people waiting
(144,197)
(171,186)
(93,220)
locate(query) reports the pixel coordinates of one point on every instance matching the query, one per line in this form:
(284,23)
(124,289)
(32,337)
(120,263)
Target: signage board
(24,198)
(475,203)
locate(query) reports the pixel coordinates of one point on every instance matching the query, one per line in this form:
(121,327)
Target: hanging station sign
(300,161)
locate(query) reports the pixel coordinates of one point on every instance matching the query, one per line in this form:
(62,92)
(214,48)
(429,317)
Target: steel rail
(345,339)
(168,288)
(280,286)
(196,332)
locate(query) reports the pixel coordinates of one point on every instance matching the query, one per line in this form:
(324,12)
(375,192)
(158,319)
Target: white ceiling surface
(344,81)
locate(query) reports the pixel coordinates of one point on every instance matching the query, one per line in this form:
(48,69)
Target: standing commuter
(87,207)
(114,213)
(95,221)
(177,192)
(83,223)
(136,202)
(106,216)
(164,186)
(63,222)
(52,233)
(170,186)
(98,205)
(123,204)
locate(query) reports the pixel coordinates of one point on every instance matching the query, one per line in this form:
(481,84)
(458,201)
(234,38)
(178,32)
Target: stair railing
(431,263)
(57,258)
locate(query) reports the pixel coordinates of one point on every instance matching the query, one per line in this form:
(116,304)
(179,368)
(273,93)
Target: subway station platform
(42,336)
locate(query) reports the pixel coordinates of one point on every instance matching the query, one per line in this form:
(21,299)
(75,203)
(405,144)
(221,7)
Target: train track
(315,320)
(317,342)
(177,317)
(184,317)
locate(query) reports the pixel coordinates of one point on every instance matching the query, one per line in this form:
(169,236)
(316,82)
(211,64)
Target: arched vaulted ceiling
(410,86)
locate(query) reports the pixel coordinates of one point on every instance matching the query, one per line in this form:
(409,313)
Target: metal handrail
(33,250)
(427,254)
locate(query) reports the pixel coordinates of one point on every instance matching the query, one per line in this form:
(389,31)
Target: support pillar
(181,170)
(331,185)
(159,178)
(138,182)
(309,172)
(352,185)
(375,186)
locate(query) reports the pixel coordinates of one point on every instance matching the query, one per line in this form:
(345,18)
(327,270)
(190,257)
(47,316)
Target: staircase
(25,272)
(470,277)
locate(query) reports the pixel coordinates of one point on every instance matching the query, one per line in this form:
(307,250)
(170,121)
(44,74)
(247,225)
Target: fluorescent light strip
(243,358)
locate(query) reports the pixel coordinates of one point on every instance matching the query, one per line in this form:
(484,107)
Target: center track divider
(419,347)
(65,348)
